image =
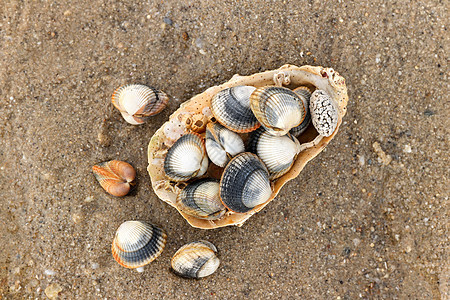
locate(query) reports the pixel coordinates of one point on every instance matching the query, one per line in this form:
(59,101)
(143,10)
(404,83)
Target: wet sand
(367,218)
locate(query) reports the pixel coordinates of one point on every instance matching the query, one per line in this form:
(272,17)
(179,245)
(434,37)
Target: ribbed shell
(195,260)
(276,152)
(137,102)
(244,183)
(278,109)
(231,108)
(222,144)
(137,243)
(305,94)
(186,158)
(324,113)
(201,199)
(115,176)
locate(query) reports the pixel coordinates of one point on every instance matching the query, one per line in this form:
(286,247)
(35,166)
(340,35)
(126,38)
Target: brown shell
(313,77)
(115,176)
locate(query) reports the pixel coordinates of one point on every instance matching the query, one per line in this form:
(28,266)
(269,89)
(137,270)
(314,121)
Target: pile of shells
(226,153)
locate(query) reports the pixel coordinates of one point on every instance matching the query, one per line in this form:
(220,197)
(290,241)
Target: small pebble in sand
(49,272)
(53,290)
(383,158)
(407,149)
(89,199)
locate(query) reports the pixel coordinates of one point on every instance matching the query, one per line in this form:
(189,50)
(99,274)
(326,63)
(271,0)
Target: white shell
(137,243)
(195,260)
(186,158)
(277,152)
(222,144)
(137,102)
(278,109)
(324,113)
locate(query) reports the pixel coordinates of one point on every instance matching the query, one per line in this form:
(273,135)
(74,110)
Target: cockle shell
(304,94)
(201,199)
(314,77)
(186,158)
(324,113)
(231,108)
(276,152)
(222,144)
(195,260)
(278,109)
(137,243)
(245,183)
(137,102)
(115,176)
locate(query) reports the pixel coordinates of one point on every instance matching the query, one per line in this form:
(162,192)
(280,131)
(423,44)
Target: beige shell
(291,76)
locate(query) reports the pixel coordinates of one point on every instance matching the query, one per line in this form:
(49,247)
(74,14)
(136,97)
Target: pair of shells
(115,176)
(316,78)
(244,184)
(245,108)
(137,102)
(138,243)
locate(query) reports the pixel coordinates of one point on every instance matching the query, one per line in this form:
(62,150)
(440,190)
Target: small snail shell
(278,109)
(324,113)
(222,144)
(137,102)
(245,183)
(137,243)
(195,260)
(231,108)
(186,158)
(115,176)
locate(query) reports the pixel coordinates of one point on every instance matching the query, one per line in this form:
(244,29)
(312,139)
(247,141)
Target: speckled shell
(324,113)
(231,108)
(222,144)
(314,77)
(137,102)
(278,109)
(304,94)
(201,199)
(195,260)
(245,183)
(137,243)
(186,158)
(115,176)
(276,152)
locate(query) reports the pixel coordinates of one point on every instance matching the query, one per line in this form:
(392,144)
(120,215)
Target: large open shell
(313,77)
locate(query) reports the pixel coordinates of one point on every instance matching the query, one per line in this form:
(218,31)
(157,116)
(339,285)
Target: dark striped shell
(278,109)
(304,94)
(276,152)
(186,158)
(137,102)
(245,183)
(137,243)
(201,199)
(222,144)
(195,260)
(231,108)
(324,113)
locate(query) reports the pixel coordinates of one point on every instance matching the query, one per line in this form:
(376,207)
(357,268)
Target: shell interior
(313,77)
